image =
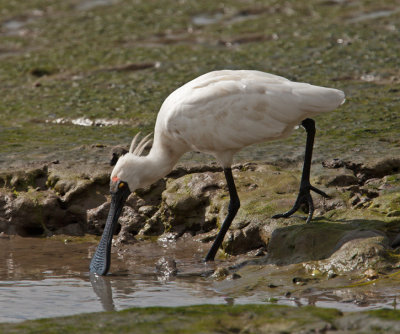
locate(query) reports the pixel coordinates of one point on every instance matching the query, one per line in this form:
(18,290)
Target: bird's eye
(121,185)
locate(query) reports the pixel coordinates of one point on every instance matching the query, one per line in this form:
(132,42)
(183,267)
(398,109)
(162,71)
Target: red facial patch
(115,179)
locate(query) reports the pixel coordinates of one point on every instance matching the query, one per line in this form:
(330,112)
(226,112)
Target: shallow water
(49,277)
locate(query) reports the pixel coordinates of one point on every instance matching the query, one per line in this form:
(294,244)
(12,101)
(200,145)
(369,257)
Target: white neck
(159,162)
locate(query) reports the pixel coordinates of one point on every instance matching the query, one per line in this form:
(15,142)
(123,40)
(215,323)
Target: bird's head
(128,171)
(130,168)
(127,176)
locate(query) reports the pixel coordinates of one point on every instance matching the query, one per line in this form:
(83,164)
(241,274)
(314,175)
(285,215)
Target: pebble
(371,274)
(233,276)
(220,273)
(4,236)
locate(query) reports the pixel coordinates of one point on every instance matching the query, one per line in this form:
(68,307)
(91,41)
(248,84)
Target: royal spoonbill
(218,113)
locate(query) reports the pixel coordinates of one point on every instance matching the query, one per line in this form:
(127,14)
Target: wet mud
(347,257)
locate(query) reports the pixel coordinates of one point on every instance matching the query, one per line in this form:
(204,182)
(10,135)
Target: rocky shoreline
(356,230)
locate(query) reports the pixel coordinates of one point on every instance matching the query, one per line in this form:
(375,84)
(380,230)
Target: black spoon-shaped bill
(100,263)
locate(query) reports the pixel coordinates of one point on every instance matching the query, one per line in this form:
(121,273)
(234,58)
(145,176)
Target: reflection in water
(102,287)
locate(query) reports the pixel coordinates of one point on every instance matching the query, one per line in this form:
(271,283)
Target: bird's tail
(316,99)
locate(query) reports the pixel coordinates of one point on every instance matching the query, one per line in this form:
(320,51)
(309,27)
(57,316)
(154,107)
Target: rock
(124,238)
(4,225)
(142,214)
(233,276)
(371,274)
(367,323)
(3,235)
(342,180)
(147,210)
(327,247)
(206,237)
(300,280)
(316,273)
(243,240)
(388,202)
(180,170)
(330,204)
(220,273)
(131,221)
(375,182)
(379,168)
(5,198)
(22,180)
(187,201)
(82,192)
(166,267)
(96,218)
(356,250)
(301,243)
(50,201)
(247,166)
(152,227)
(334,163)
(151,195)
(78,187)
(116,153)
(394,213)
(36,212)
(71,229)
(257,252)
(194,201)
(396,242)
(189,192)
(371,170)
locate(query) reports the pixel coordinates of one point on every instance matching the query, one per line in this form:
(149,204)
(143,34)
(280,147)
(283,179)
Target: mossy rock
(22,180)
(216,319)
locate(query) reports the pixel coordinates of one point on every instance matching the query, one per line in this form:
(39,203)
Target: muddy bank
(356,230)
(128,56)
(218,319)
(347,257)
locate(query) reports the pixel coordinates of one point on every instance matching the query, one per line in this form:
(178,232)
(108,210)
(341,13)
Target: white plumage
(219,113)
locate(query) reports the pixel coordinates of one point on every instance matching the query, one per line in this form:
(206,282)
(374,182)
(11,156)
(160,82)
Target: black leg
(234,205)
(304,196)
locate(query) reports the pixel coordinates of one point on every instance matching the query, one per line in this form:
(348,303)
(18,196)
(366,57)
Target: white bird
(219,113)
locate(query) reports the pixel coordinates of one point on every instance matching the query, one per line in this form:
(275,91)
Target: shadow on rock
(333,246)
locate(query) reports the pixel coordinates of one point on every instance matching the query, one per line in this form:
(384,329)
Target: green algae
(207,319)
(55,68)
(386,314)
(24,180)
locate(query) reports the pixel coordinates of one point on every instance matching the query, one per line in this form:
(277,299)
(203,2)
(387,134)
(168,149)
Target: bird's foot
(304,197)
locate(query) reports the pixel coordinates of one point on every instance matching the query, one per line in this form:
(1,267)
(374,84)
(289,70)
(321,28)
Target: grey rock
(342,180)
(96,218)
(166,268)
(116,153)
(243,240)
(356,251)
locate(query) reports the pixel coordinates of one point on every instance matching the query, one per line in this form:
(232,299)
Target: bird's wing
(282,99)
(232,109)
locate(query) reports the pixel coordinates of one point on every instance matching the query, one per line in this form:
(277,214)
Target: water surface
(49,278)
